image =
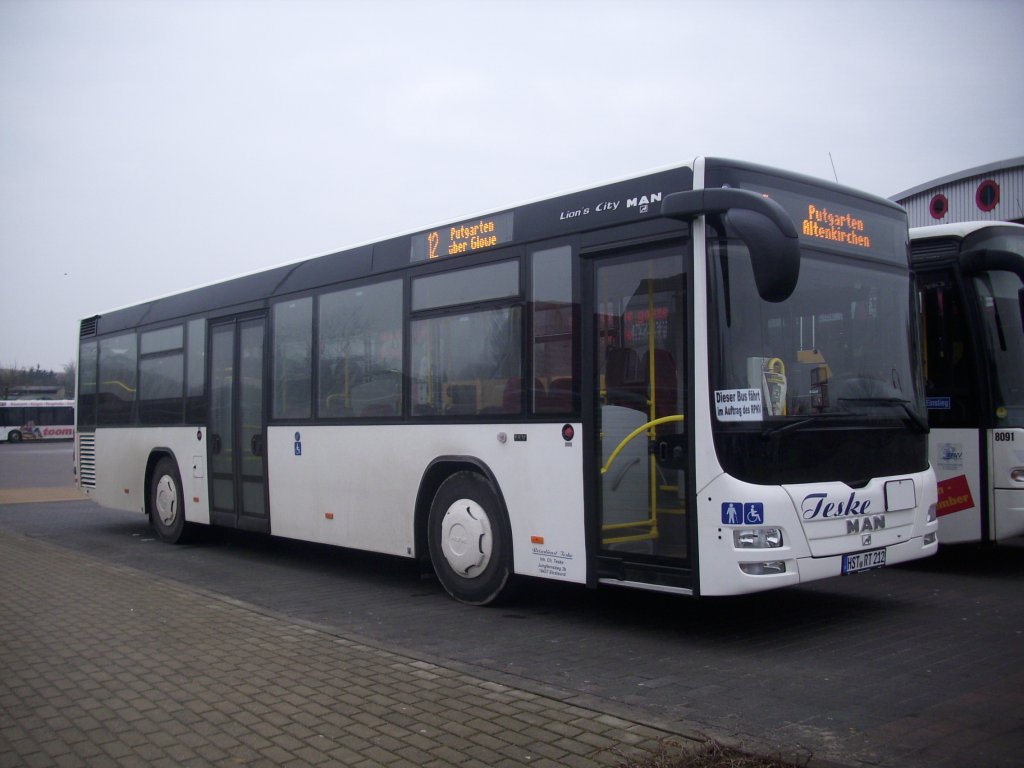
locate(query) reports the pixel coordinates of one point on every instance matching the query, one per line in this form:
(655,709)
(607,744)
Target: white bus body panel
(121,457)
(955,454)
(956,458)
(356,486)
(1006,447)
(820,523)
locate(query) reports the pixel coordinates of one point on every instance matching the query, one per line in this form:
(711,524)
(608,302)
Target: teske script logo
(818,506)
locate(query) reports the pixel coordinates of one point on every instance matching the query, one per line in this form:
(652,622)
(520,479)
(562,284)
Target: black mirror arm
(689,205)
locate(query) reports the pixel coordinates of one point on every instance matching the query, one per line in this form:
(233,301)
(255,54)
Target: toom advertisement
(31,432)
(954,455)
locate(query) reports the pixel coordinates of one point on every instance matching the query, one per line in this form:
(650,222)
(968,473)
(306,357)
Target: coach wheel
(14,436)
(166,511)
(468,539)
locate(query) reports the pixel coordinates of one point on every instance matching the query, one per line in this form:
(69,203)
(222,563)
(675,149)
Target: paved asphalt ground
(118,650)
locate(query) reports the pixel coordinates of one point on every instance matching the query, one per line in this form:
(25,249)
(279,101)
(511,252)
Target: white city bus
(971,278)
(37,420)
(704,380)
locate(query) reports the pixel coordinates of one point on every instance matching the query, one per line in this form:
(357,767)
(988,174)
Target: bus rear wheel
(14,436)
(467,535)
(166,503)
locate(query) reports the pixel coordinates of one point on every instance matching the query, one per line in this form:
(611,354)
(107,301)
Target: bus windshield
(998,298)
(838,354)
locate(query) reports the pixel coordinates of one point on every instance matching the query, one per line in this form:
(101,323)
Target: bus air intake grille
(933,251)
(87,460)
(88,327)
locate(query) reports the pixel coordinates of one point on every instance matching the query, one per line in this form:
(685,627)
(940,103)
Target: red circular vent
(987,196)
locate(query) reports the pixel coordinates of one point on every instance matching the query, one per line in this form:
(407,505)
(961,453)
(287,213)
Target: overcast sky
(149,146)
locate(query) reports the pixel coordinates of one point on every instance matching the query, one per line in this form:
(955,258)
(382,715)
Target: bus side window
(553,332)
(360,352)
(195,393)
(949,368)
(161,376)
(293,358)
(117,371)
(87,363)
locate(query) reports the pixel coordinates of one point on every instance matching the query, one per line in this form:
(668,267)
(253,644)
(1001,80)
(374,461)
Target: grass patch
(710,754)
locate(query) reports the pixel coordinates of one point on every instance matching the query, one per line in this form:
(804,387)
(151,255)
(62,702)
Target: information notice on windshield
(738,405)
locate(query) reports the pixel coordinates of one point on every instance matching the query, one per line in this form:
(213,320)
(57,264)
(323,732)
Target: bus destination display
(465,237)
(844,228)
(841,226)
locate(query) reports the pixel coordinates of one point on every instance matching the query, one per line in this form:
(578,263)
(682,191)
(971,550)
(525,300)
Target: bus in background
(971,282)
(704,381)
(37,420)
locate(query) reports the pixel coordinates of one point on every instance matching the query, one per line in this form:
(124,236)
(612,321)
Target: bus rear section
(971,282)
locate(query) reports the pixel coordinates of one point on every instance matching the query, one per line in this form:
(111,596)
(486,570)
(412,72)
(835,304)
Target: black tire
(14,436)
(467,534)
(166,503)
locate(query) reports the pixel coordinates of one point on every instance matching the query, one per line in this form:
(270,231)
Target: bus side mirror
(761,223)
(991,260)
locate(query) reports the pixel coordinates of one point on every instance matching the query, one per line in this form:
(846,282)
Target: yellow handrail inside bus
(634,433)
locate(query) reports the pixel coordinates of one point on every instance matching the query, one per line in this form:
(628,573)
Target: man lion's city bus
(704,381)
(37,420)
(971,278)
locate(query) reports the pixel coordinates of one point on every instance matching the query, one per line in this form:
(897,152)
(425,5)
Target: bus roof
(630,201)
(958,230)
(569,213)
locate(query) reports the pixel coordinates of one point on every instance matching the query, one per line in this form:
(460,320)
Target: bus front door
(238,496)
(640,331)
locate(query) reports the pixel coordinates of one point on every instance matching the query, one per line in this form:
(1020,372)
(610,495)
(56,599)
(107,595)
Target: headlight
(768,568)
(757,538)
(930,518)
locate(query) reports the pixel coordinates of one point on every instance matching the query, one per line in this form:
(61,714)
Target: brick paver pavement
(102,665)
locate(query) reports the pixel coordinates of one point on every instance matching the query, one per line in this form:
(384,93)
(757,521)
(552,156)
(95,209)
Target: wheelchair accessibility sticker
(742,513)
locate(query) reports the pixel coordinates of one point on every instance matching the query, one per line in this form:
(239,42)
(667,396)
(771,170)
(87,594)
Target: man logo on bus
(644,201)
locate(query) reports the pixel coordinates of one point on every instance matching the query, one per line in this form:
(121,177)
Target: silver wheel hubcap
(166,500)
(466,539)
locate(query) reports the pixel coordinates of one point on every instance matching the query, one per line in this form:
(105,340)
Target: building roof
(981,170)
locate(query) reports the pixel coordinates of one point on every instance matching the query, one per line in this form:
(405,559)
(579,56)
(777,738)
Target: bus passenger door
(640,329)
(237,425)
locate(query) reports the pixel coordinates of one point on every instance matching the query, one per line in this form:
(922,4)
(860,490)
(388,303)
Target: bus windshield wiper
(919,424)
(769,432)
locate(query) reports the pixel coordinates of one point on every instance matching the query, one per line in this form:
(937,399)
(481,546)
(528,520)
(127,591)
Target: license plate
(863,561)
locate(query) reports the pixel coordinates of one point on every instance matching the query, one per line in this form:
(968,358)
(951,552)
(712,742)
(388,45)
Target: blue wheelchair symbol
(742,513)
(753,513)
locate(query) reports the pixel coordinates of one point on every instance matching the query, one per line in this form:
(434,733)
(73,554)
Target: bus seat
(378,410)
(511,400)
(559,397)
(622,379)
(665,389)
(621,367)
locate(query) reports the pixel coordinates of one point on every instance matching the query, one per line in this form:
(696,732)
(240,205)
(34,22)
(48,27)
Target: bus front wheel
(14,436)
(166,502)
(468,540)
